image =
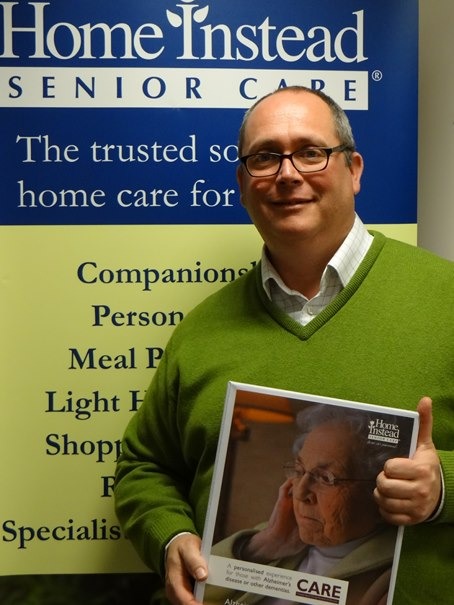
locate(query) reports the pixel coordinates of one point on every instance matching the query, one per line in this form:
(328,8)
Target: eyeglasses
(320,476)
(309,159)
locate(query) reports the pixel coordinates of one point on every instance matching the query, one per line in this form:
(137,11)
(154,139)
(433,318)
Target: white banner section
(170,87)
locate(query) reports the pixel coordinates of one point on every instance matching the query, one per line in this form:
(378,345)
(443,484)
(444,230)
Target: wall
(436,128)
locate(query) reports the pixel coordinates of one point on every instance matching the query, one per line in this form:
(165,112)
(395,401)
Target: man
(330,310)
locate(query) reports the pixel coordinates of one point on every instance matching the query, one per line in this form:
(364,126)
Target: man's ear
(356,169)
(240,181)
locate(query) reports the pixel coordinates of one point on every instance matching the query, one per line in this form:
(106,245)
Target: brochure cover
(291,516)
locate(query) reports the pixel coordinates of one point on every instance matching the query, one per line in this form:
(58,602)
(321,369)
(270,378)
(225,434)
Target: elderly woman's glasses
(309,159)
(320,476)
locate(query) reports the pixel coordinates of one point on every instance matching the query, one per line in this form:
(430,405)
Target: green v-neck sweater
(387,339)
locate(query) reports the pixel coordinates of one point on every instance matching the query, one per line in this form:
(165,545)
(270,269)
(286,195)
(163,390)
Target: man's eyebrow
(273,144)
(267,144)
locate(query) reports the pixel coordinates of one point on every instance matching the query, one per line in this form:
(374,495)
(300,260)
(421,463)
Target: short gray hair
(342,124)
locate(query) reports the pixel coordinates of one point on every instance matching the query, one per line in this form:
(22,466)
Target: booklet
(291,515)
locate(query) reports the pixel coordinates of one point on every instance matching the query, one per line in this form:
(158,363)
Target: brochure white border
(224,438)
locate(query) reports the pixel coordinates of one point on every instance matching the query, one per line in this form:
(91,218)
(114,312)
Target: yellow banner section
(86,312)
(405,233)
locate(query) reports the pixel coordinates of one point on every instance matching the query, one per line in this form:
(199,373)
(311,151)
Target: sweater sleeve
(447,465)
(443,431)
(151,481)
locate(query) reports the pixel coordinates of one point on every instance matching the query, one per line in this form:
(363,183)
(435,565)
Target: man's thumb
(425,422)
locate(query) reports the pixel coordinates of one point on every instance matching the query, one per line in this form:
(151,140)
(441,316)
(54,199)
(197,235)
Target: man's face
(331,515)
(291,206)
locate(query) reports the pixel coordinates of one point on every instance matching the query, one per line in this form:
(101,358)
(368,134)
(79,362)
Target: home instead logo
(385,432)
(170,45)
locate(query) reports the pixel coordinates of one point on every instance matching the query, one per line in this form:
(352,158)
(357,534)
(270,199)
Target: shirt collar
(344,262)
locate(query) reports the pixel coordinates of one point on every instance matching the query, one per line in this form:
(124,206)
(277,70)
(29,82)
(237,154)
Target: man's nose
(287,170)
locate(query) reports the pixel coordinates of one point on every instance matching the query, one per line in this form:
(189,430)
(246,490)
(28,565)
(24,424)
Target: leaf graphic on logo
(174,19)
(201,14)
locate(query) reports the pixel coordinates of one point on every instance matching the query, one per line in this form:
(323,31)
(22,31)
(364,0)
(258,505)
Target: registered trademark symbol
(377,75)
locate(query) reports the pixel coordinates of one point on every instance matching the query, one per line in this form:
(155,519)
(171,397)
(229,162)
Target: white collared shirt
(336,276)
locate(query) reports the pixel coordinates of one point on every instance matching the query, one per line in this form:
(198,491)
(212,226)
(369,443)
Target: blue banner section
(131,116)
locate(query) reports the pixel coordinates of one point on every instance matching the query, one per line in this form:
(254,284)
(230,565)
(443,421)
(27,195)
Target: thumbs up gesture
(408,491)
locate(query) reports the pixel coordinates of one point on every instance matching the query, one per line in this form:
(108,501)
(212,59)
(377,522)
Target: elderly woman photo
(325,520)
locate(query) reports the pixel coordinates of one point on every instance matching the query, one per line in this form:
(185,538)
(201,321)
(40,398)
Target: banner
(120,211)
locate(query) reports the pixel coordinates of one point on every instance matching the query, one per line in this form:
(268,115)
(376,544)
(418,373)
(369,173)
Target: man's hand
(184,564)
(408,490)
